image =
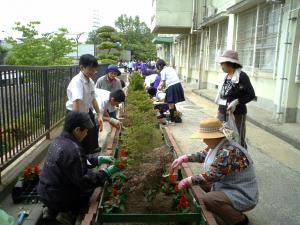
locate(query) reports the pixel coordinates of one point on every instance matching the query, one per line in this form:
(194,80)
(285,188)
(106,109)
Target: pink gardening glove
(177,162)
(185,183)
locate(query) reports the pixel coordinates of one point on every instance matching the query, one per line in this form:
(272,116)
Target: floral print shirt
(228,159)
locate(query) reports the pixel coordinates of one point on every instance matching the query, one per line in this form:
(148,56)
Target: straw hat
(230,56)
(209,129)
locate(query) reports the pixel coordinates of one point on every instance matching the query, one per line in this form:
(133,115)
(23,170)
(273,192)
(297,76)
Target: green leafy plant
(136,82)
(115,195)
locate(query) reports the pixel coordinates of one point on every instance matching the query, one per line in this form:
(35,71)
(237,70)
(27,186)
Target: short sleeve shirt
(169,75)
(83,89)
(150,79)
(102,98)
(104,83)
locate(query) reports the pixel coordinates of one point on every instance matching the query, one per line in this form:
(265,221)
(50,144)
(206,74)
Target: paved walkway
(264,119)
(276,162)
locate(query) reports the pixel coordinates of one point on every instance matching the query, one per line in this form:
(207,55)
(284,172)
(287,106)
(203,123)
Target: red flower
(29,169)
(115,191)
(36,169)
(25,173)
(121,165)
(122,153)
(171,178)
(183,202)
(176,188)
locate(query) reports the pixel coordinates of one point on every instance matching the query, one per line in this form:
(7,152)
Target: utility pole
(77,43)
(95,26)
(77,36)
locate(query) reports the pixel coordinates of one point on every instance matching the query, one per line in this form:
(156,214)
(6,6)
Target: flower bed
(141,192)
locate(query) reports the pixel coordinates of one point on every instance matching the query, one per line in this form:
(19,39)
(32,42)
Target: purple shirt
(157,81)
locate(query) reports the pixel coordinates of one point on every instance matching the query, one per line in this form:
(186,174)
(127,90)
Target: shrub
(141,134)
(136,82)
(110,61)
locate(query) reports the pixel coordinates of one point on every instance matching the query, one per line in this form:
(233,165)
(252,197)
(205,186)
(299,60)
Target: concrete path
(276,162)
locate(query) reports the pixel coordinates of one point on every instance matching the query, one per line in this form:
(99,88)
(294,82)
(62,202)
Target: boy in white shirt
(81,97)
(107,102)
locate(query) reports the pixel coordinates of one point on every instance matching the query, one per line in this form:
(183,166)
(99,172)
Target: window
(213,30)
(265,40)
(217,42)
(245,37)
(266,37)
(222,37)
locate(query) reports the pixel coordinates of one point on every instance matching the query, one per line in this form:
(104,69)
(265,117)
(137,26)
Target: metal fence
(32,102)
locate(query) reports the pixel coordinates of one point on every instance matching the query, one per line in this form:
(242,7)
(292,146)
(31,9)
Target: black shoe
(243,222)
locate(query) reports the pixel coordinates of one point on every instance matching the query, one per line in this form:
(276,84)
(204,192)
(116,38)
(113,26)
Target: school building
(192,34)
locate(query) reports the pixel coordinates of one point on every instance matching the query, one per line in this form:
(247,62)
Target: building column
(231,31)
(188,55)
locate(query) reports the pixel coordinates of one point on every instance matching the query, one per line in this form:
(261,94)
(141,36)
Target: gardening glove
(115,123)
(232,105)
(110,170)
(177,162)
(105,159)
(185,183)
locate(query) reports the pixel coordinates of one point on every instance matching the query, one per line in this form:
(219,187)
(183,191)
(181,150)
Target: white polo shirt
(82,89)
(169,75)
(102,98)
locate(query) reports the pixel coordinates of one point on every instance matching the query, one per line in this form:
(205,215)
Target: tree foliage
(35,49)
(109,46)
(93,38)
(136,36)
(3,52)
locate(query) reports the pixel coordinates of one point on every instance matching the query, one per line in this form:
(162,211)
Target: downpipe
(279,113)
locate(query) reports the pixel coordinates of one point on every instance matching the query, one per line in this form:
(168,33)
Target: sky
(75,15)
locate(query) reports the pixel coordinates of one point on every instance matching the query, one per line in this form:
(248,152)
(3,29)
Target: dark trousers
(74,205)
(240,121)
(90,142)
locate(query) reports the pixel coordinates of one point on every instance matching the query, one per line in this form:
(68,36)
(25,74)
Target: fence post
(46,103)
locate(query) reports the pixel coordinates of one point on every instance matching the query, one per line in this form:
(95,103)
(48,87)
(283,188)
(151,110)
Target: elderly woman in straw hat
(228,172)
(235,91)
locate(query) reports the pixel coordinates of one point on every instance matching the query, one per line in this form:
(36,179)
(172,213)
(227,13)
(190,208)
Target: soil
(145,184)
